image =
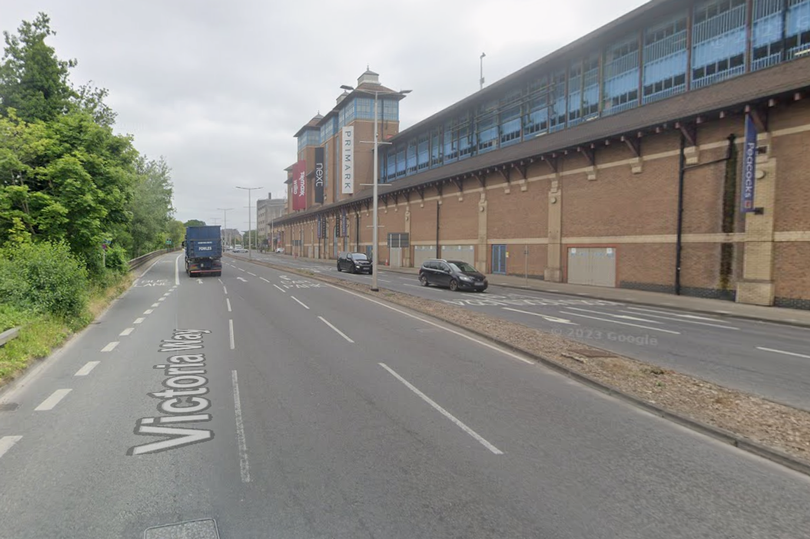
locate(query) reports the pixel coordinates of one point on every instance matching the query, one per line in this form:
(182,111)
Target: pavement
(764,358)
(280,407)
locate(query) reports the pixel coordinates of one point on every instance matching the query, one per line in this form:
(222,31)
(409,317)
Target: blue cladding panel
(621,76)
(718,41)
(665,57)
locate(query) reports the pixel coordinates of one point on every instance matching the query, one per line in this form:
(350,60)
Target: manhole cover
(193,529)
(592,353)
(8,406)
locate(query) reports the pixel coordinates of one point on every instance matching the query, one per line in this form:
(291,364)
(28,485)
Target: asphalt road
(282,407)
(762,358)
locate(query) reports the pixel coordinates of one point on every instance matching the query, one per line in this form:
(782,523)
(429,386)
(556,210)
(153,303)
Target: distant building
(266,210)
(231,236)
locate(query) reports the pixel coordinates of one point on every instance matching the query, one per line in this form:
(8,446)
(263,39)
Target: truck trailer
(203,246)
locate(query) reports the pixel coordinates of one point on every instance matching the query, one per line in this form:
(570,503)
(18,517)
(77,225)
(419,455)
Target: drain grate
(8,406)
(192,529)
(592,353)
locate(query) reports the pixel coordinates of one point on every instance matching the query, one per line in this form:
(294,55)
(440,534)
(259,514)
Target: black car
(455,274)
(354,262)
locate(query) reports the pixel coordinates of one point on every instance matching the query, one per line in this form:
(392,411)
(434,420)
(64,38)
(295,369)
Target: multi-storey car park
(618,160)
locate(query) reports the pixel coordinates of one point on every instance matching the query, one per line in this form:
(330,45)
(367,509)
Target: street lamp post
(374,226)
(225,223)
(249,189)
(483,55)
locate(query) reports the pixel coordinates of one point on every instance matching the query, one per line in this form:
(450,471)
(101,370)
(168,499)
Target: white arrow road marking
(199,281)
(6,442)
(547,317)
(688,321)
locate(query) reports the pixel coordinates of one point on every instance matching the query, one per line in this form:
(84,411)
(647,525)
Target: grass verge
(40,334)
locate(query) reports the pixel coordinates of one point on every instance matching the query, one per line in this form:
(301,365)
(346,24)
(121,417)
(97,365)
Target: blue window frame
(411,157)
(767,38)
(535,120)
(349,112)
(510,117)
(325,166)
(797,34)
(302,142)
(364,108)
(391,164)
(487,126)
(557,112)
(390,109)
(718,41)
(665,60)
(423,152)
(450,141)
(465,137)
(621,70)
(574,93)
(436,148)
(401,160)
(590,87)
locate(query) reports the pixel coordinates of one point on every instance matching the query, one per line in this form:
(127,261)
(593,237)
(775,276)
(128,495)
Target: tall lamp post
(225,223)
(483,55)
(374,227)
(249,189)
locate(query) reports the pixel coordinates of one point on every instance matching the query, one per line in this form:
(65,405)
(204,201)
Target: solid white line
(225,289)
(156,305)
(624,317)
(684,321)
(434,324)
(251,274)
(383,280)
(244,466)
(546,316)
(89,366)
(444,412)
(263,279)
(148,311)
(6,442)
(277,286)
(325,321)
(691,316)
(782,352)
(299,301)
(126,332)
(139,320)
(53,400)
(228,301)
(177,270)
(110,347)
(622,323)
(230,327)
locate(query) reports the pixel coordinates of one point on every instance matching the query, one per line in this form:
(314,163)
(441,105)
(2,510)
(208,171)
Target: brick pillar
(482,248)
(553,271)
(757,286)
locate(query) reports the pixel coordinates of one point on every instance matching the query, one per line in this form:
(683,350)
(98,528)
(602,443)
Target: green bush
(43,277)
(117,259)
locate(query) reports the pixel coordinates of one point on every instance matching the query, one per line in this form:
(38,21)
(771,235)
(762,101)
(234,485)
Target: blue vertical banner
(320,230)
(749,165)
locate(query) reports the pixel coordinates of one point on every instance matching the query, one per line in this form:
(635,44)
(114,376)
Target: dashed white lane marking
(139,320)
(244,466)
(228,301)
(110,347)
(263,279)
(89,366)
(161,299)
(774,350)
(126,332)
(167,294)
(277,286)
(444,412)
(6,443)
(325,321)
(300,302)
(225,290)
(249,273)
(148,311)
(156,305)
(230,328)
(240,269)
(53,400)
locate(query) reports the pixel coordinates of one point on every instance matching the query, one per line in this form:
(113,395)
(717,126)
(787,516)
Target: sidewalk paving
(780,315)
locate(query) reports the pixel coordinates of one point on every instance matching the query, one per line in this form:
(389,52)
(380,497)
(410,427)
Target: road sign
(168,242)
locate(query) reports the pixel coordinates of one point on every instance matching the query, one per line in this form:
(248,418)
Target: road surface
(280,407)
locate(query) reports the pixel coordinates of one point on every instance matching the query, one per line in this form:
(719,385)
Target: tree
(151,205)
(32,79)
(176,231)
(194,222)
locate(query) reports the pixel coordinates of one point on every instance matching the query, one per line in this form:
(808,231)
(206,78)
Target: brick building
(618,160)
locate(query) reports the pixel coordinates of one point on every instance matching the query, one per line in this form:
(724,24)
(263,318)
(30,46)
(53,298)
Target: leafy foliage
(194,222)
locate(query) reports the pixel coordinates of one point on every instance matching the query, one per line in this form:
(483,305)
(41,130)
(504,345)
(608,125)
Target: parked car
(354,262)
(239,249)
(280,250)
(455,274)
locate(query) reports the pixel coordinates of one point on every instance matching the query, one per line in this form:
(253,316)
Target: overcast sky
(219,88)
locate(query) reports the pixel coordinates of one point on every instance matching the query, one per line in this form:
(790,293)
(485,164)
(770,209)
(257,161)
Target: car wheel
(354,268)
(424,280)
(453,285)
(338,267)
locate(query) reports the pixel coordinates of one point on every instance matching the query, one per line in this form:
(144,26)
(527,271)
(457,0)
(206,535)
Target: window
(718,41)
(391,164)
(487,125)
(436,148)
(557,112)
(422,155)
(797,33)
(583,90)
(364,108)
(325,167)
(574,93)
(411,156)
(400,160)
(390,109)
(536,119)
(450,142)
(767,34)
(621,76)
(510,117)
(302,142)
(665,59)
(465,137)
(313,137)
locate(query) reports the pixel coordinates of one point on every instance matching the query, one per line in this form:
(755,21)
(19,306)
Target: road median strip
(734,417)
